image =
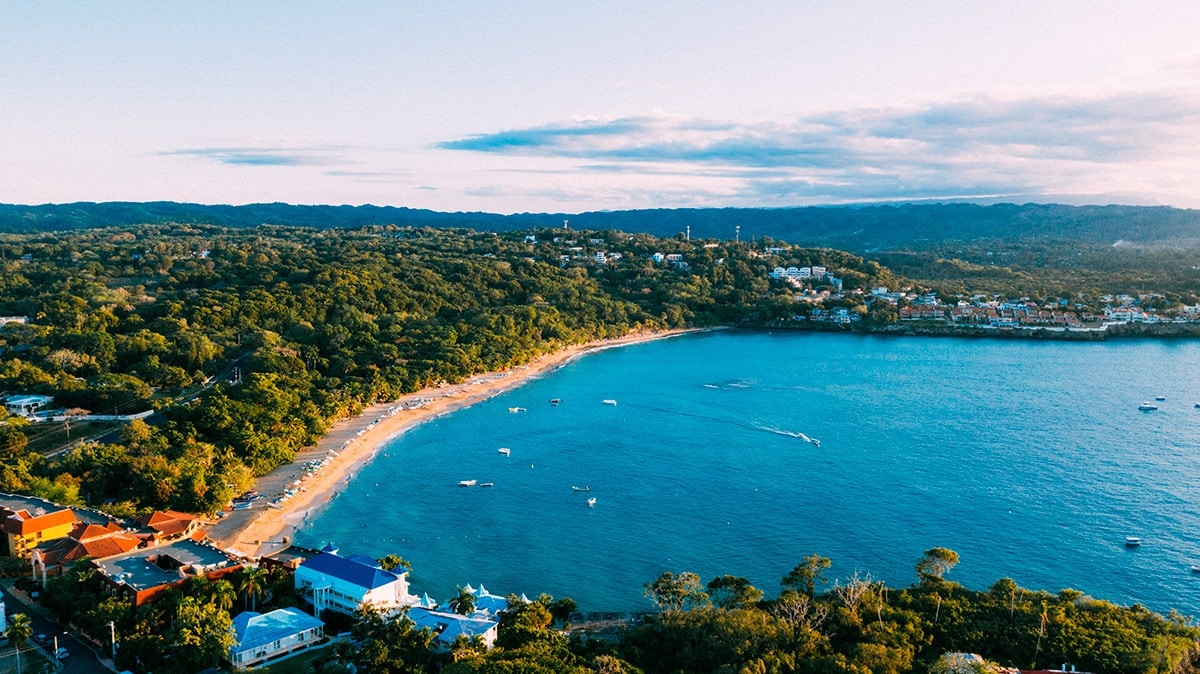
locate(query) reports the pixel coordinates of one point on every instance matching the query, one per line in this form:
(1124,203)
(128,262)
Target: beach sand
(350,443)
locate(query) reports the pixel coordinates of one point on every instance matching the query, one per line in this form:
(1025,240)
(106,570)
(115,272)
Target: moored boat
(467,483)
(1132,541)
(609,401)
(505,451)
(591,502)
(1147,406)
(487,484)
(587,488)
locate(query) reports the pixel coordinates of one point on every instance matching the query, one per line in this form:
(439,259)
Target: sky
(566,107)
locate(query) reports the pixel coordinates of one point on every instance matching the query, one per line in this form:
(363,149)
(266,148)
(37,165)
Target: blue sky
(566,107)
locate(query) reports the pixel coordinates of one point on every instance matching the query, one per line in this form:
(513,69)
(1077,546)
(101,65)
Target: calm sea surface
(1029,459)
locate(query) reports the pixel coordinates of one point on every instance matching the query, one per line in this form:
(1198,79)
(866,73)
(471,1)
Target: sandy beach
(350,443)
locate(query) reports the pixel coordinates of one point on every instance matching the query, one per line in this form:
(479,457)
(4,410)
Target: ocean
(1030,459)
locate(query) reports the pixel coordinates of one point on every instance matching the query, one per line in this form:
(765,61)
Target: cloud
(263,156)
(971,147)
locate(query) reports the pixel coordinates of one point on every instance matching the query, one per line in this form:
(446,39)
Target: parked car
(62,653)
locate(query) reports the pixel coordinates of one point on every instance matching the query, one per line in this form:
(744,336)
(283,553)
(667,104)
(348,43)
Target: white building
(344,584)
(260,637)
(26,405)
(447,627)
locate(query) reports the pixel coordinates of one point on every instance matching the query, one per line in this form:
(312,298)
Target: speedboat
(1196,568)
(487,484)
(1160,398)
(504,450)
(592,502)
(555,401)
(610,401)
(587,488)
(514,410)
(1147,406)
(1132,541)
(467,483)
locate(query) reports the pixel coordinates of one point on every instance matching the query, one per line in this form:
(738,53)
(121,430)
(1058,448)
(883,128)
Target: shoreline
(351,443)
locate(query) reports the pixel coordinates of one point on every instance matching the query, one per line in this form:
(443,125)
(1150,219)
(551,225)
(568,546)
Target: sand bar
(350,443)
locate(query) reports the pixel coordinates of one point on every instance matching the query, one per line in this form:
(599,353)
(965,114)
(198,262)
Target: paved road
(82,659)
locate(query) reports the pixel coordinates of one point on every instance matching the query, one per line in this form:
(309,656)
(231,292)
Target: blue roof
(449,626)
(258,629)
(353,570)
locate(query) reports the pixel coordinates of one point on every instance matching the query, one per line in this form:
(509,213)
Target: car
(62,653)
(41,639)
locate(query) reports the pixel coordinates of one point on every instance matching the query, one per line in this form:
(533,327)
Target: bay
(1030,459)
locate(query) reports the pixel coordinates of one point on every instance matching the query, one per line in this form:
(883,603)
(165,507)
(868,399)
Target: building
(339,583)
(144,573)
(25,530)
(26,405)
(448,627)
(85,540)
(170,525)
(260,637)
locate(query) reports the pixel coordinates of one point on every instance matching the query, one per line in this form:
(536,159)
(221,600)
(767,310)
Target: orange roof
(168,522)
(113,542)
(23,523)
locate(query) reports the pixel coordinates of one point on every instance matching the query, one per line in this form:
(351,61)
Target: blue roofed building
(331,581)
(268,636)
(447,627)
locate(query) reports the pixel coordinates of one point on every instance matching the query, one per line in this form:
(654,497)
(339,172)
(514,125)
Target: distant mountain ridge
(854,228)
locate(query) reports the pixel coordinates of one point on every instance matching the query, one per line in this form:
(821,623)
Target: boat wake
(790,434)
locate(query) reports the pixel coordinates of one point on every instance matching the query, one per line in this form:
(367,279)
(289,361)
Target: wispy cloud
(264,156)
(964,148)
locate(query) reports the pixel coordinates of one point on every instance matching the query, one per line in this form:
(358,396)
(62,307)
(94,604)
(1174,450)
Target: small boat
(514,410)
(487,484)
(1160,398)
(1196,568)
(467,483)
(1147,406)
(1197,404)
(592,502)
(587,488)
(555,401)
(610,401)
(504,450)
(1132,541)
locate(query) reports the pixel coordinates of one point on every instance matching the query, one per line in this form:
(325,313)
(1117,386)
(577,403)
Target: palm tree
(251,584)
(222,594)
(464,603)
(20,628)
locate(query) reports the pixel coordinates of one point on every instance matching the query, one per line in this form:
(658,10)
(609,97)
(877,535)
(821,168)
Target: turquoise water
(1029,459)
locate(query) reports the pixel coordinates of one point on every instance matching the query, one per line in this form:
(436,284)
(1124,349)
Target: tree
(731,592)
(807,574)
(201,633)
(935,563)
(464,603)
(251,581)
(671,593)
(20,628)
(222,594)
(393,561)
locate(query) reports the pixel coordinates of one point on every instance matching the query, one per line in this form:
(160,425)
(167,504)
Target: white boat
(1132,541)
(574,488)
(467,483)
(1196,568)
(592,502)
(1147,406)
(1160,398)
(610,401)
(488,484)
(555,401)
(514,410)
(504,450)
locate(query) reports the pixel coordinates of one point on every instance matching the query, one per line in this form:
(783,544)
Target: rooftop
(253,630)
(151,567)
(359,570)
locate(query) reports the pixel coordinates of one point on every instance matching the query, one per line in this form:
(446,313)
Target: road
(82,659)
